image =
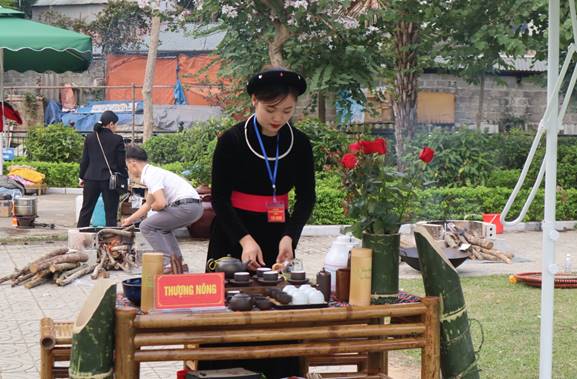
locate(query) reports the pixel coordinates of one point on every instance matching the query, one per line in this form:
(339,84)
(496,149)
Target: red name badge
(189,291)
(275,212)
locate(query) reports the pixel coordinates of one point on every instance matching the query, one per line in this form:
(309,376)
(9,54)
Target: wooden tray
(280,306)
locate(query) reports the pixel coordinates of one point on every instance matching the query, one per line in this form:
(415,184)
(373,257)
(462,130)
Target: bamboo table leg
(125,365)
(377,361)
(431,353)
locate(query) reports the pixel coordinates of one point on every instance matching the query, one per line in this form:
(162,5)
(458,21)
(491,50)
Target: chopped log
(99,266)
(66,258)
(498,254)
(450,241)
(81,271)
(38,279)
(57,267)
(92,350)
(116,232)
(22,278)
(476,250)
(10,276)
(478,241)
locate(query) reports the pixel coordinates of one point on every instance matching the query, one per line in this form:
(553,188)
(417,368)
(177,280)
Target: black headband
(275,78)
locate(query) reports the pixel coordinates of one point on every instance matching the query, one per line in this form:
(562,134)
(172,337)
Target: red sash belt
(255,203)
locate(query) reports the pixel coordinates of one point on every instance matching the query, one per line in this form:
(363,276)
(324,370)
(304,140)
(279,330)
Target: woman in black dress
(250,186)
(255,165)
(95,171)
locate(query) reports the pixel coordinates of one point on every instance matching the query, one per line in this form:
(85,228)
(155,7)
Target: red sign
(189,291)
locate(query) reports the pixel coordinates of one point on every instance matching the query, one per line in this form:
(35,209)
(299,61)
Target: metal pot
(25,206)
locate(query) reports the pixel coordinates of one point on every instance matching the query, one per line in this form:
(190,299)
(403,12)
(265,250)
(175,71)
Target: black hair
(107,118)
(275,93)
(137,153)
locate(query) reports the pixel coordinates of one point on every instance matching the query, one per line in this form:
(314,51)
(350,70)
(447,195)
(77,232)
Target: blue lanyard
(272,173)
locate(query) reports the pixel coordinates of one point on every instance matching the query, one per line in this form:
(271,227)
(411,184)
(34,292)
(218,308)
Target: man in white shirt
(174,202)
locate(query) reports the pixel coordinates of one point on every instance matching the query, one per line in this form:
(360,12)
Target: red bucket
(494,218)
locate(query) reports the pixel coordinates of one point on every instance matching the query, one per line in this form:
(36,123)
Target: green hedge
(54,143)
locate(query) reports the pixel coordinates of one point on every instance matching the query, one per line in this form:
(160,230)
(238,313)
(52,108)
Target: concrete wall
(86,12)
(518,97)
(94,76)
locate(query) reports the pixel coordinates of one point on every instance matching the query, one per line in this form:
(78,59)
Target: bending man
(171,198)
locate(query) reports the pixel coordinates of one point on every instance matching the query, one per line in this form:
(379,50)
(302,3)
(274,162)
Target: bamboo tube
(281,334)
(441,279)
(360,287)
(275,351)
(47,333)
(46,362)
(431,353)
(173,320)
(152,265)
(92,354)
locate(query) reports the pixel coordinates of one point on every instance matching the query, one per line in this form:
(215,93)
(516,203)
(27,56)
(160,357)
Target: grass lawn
(510,316)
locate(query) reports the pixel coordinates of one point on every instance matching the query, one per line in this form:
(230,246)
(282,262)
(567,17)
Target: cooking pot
(25,206)
(229,265)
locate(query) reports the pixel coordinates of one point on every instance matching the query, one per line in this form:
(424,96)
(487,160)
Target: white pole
(3,118)
(550,235)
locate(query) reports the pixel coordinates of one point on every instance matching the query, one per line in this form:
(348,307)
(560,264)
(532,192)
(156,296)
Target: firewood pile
(476,246)
(63,266)
(115,251)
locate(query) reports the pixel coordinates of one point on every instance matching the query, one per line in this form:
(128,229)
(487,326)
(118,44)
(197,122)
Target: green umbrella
(28,45)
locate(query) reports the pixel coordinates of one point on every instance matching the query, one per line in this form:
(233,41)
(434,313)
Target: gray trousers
(158,229)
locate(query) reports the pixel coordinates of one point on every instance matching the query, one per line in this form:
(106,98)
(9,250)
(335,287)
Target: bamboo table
(310,333)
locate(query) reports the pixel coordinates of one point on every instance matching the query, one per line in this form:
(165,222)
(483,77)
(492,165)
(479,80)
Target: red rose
(354,147)
(427,154)
(349,161)
(378,146)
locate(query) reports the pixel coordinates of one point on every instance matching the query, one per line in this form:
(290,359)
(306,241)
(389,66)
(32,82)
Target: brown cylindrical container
(152,265)
(361,268)
(342,284)
(324,283)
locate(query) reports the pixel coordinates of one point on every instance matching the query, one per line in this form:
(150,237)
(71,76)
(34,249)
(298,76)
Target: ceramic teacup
(270,276)
(261,270)
(298,275)
(241,276)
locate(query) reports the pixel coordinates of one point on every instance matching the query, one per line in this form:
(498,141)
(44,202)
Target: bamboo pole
(272,351)
(377,361)
(125,365)
(281,334)
(167,321)
(47,333)
(431,353)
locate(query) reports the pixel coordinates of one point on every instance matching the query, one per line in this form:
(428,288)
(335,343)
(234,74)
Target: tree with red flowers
(378,196)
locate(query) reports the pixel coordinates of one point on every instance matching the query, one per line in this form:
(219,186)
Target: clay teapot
(240,302)
(229,265)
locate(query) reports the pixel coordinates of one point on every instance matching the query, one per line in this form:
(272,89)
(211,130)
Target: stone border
(335,230)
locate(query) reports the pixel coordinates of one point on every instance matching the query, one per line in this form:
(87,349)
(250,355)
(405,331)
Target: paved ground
(22,309)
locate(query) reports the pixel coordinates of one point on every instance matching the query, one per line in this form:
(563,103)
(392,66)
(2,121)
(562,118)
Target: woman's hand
(285,250)
(251,253)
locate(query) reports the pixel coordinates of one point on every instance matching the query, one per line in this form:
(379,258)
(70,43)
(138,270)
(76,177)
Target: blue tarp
(86,116)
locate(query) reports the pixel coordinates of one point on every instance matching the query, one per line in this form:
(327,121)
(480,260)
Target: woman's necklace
(260,155)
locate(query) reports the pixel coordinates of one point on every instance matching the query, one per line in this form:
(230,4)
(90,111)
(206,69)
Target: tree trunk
(322,110)
(479,117)
(405,87)
(92,350)
(149,78)
(281,35)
